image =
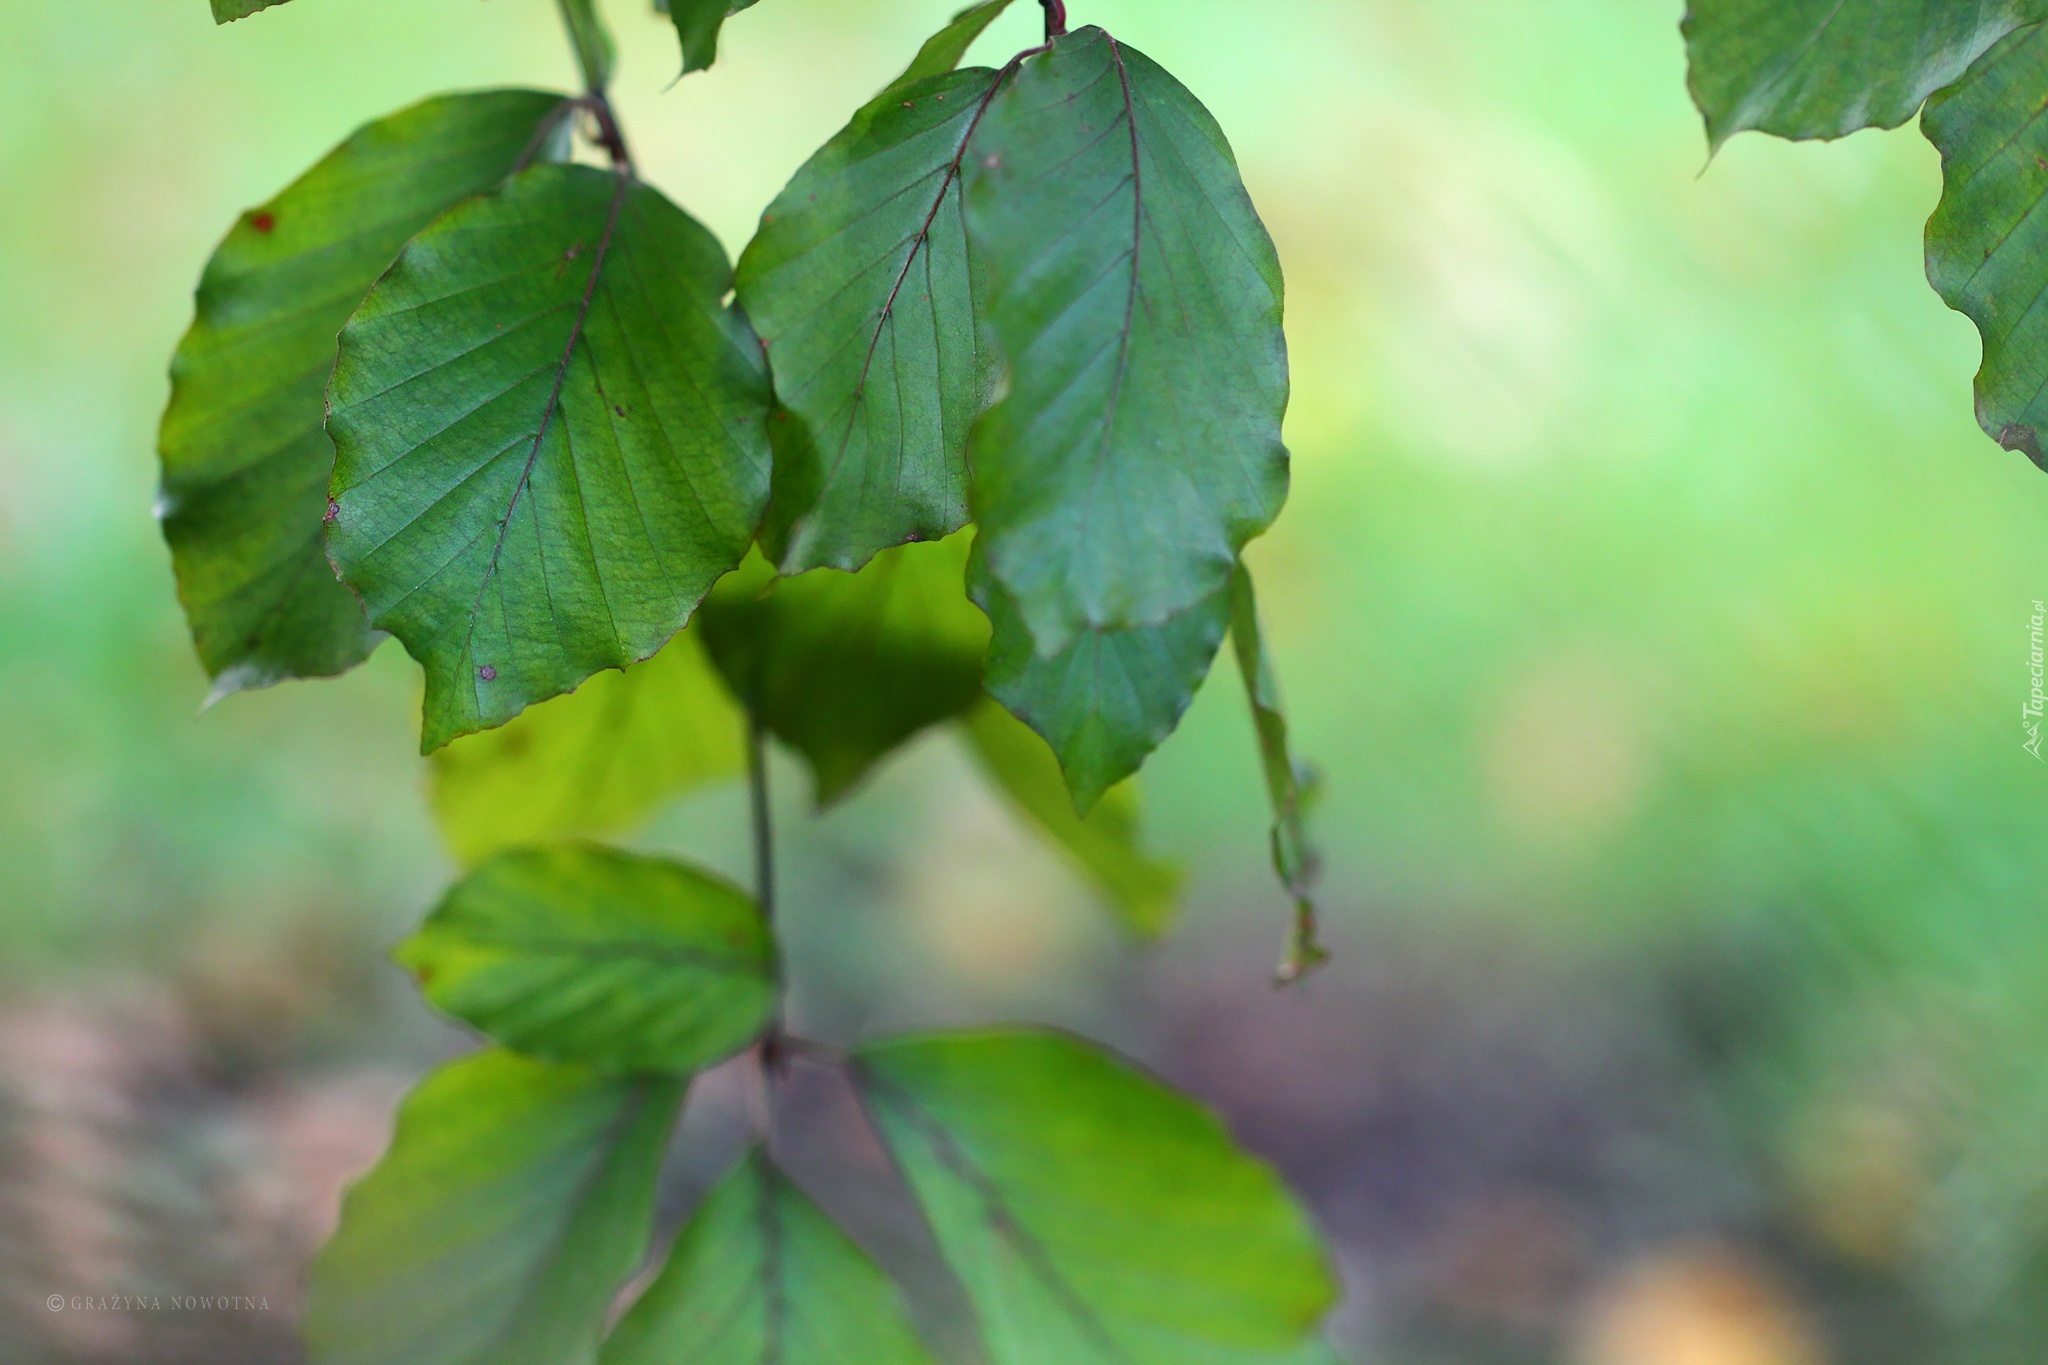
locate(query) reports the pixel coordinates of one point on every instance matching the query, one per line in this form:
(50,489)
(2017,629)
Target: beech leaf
(550,440)
(846,668)
(699,24)
(1105,844)
(1826,68)
(629,965)
(245,460)
(1290,784)
(858,284)
(1135,300)
(1094,1216)
(1108,698)
(515,1201)
(598,761)
(1987,244)
(760,1276)
(947,48)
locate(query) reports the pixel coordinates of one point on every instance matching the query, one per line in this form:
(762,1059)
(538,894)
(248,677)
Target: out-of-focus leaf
(858,284)
(1105,845)
(226,11)
(847,667)
(1987,244)
(1825,68)
(699,23)
(626,964)
(1135,300)
(597,53)
(517,1197)
(1107,699)
(947,48)
(762,1277)
(550,439)
(245,459)
(598,761)
(1094,1216)
(1290,784)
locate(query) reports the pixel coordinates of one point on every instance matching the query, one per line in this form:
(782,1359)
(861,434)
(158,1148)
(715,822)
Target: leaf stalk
(1055,19)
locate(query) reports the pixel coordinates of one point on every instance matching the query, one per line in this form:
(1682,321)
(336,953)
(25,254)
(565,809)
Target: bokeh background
(1649,598)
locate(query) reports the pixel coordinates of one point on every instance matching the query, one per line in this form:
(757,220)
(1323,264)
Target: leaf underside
(516,1198)
(1135,300)
(598,761)
(550,441)
(1987,244)
(1108,698)
(626,964)
(760,1276)
(1105,845)
(1826,68)
(858,284)
(246,462)
(1093,1216)
(846,668)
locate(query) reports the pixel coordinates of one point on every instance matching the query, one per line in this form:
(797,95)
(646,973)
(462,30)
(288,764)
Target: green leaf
(626,964)
(1289,783)
(227,11)
(1108,698)
(698,24)
(1825,68)
(847,667)
(1105,845)
(1092,1214)
(245,460)
(550,440)
(761,1277)
(947,48)
(597,54)
(858,283)
(1136,301)
(517,1197)
(596,762)
(1987,247)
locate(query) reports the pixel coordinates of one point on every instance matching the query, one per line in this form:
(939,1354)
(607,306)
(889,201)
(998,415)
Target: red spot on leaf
(487,673)
(333,512)
(264,221)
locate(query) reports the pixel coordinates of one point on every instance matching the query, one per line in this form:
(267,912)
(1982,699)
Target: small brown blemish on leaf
(993,161)
(619,409)
(264,221)
(333,512)
(909,105)
(487,673)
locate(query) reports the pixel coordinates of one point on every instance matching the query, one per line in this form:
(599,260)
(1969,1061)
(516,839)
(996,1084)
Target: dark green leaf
(698,24)
(846,667)
(1108,698)
(595,762)
(1825,68)
(626,964)
(1987,244)
(1136,300)
(858,284)
(226,11)
(1290,785)
(596,51)
(516,1199)
(761,1277)
(1105,845)
(245,461)
(947,48)
(550,440)
(1094,1216)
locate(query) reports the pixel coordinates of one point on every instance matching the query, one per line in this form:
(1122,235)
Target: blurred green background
(1649,598)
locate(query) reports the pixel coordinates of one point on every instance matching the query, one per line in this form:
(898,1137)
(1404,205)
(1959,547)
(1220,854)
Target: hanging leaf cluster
(973,435)
(1975,72)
